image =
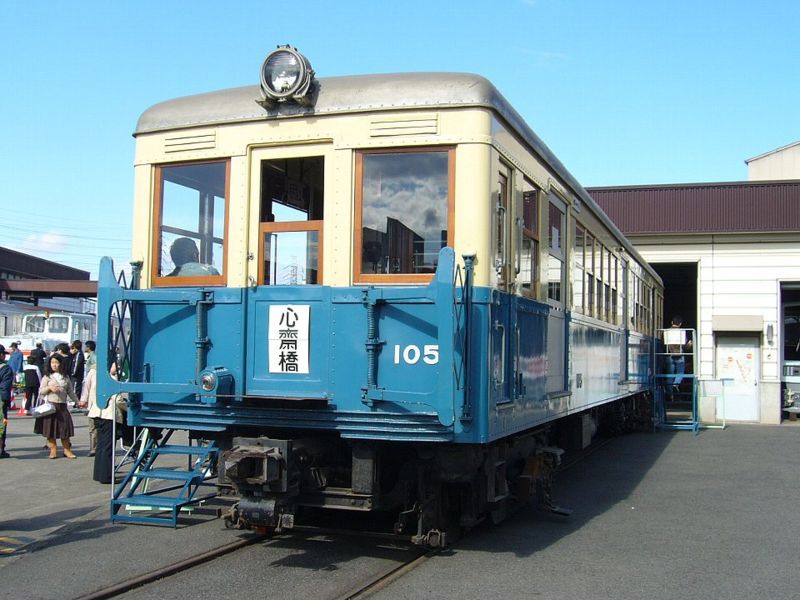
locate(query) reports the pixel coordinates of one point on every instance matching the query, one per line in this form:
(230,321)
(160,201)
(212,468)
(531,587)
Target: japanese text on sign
(288,338)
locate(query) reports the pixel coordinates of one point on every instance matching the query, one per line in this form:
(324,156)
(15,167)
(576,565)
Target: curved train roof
(340,95)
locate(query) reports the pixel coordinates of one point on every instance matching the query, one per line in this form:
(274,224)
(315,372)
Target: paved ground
(668,515)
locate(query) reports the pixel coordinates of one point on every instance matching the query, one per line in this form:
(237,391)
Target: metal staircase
(675,406)
(163,492)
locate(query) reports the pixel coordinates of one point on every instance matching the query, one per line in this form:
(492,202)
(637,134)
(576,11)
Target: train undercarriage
(429,492)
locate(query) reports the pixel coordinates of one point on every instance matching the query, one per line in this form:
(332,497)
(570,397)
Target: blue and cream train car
(373,293)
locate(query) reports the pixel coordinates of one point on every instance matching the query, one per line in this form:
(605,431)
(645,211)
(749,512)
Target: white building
(729,254)
(782,163)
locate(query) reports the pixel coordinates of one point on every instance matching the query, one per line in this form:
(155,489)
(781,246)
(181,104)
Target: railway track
(359,591)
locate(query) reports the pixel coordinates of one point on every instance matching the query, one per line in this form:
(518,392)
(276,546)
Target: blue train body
(405,380)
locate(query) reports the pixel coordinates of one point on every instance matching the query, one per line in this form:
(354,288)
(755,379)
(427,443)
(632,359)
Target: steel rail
(169,570)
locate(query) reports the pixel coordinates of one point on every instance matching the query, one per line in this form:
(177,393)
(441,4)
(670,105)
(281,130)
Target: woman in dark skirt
(56,388)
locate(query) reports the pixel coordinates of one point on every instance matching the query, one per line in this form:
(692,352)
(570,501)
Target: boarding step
(179,449)
(170,475)
(179,487)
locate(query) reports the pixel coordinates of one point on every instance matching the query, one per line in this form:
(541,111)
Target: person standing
(33,376)
(89,401)
(6,383)
(677,347)
(56,387)
(15,360)
(103,420)
(91,355)
(77,366)
(39,354)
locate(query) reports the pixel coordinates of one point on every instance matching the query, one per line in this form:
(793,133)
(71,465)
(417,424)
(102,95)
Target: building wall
(739,280)
(783,163)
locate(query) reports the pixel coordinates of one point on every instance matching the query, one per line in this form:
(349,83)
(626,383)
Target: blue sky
(625,92)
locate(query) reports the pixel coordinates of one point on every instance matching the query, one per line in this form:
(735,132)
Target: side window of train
(579,273)
(529,240)
(555,239)
(404,213)
(503,215)
(292,207)
(191,202)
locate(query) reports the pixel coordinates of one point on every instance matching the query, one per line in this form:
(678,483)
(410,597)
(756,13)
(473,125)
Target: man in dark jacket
(6,383)
(77,366)
(39,355)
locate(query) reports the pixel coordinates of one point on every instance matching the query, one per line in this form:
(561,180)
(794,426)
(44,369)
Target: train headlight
(208,381)
(286,75)
(216,385)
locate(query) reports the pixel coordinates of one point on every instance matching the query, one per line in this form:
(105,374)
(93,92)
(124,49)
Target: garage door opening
(679,393)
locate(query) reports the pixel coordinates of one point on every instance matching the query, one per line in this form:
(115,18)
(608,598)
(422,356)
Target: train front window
(191,206)
(403,213)
(34,324)
(292,210)
(58,325)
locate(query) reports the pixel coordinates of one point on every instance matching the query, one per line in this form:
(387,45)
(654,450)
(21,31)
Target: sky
(624,92)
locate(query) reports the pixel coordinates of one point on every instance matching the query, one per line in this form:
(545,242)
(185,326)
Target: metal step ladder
(163,492)
(676,406)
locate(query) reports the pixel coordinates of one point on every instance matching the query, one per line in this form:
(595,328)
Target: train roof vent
(407,125)
(190,142)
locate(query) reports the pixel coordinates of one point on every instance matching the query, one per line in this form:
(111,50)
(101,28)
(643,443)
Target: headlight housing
(286,75)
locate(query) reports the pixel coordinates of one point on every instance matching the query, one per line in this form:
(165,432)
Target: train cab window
(529,252)
(58,325)
(292,205)
(404,213)
(555,264)
(34,324)
(190,207)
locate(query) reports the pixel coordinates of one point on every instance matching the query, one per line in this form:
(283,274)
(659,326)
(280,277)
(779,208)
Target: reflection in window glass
(192,224)
(555,264)
(290,258)
(529,266)
(556,226)
(404,211)
(554,274)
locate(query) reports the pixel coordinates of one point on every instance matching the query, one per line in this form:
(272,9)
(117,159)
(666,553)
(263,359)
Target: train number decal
(411,354)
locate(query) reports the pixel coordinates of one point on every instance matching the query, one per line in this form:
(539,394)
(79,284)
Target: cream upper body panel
(461,111)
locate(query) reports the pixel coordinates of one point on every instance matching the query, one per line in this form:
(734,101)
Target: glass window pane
(34,325)
(192,220)
(292,189)
(528,267)
(556,227)
(530,208)
(58,324)
(554,272)
(404,211)
(291,258)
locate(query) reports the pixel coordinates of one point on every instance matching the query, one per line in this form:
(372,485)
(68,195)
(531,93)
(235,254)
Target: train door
(290,187)
(287,187)
(503,323)
(556,297)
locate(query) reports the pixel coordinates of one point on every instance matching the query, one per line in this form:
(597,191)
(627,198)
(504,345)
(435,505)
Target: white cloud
(50,241)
